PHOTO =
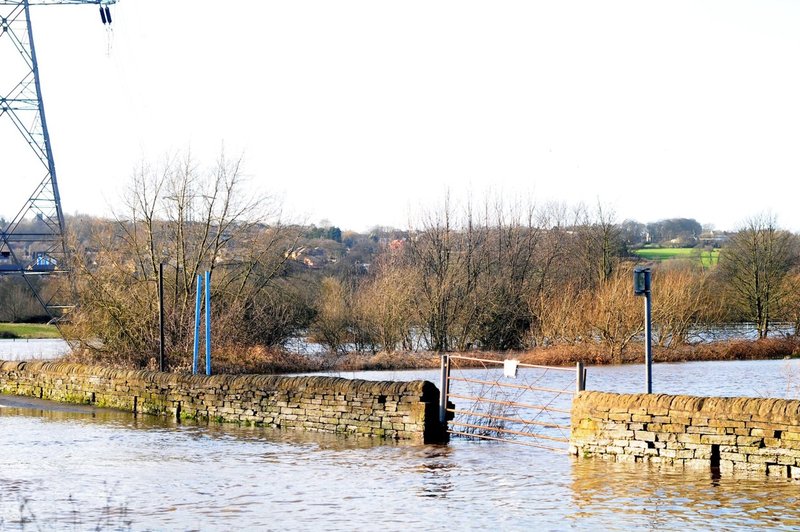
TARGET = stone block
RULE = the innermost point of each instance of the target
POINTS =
(703, 452)
(749, 467)
(697, 463)
(718, 439)
(775, 470)
(749, 441)
(645, 436)
(726, 465)
(705, 430)
(733, 457)
(620, 434)
(619, 416)
(762, 458)
(689, 438)
(762, 432)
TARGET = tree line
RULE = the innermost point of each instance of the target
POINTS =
(488, 276)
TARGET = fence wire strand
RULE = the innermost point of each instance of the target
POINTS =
(510, 412)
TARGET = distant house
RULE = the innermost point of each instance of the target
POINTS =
(714, 238)
(312, 257)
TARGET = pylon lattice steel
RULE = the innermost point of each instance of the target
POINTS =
(32, 244)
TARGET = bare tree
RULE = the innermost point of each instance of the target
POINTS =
(384, 304)
(18, 303)
(333, 322)
(595, 245)
(446, 255)
(615, 316)
(192, 221)
(510, 274)
(682, 299)
(754, 265)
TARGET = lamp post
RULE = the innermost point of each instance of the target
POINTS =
(161, 317)
(641, 287)
(162, 357)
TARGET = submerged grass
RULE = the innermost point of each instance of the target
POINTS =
(19, 514)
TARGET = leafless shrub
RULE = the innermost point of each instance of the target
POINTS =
(192, 221)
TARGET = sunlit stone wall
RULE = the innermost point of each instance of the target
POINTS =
(761, 436)
(392, 410)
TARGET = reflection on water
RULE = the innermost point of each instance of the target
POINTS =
(80, 468)
(659, 498)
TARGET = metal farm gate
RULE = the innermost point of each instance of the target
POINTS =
(504, 400)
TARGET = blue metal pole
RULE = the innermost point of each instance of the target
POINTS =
(198, 299)
(208, 323)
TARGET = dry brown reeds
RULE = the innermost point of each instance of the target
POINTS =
(262, 360)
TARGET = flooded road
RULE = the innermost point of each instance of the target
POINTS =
(78, 468)
(71, 470)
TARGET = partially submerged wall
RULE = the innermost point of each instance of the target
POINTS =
(731, 434)
(395, 410)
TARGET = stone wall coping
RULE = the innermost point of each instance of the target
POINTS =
(384, 409)
(755, 408)
(338, 385)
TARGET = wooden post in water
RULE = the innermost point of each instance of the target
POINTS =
(580, 381)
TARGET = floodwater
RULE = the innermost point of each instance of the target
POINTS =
(77, 468)
(33, 349)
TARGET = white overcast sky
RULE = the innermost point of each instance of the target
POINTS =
(361, 112)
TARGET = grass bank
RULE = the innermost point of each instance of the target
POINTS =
(28, 330)
(706, 258)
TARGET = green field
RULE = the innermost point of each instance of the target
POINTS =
(707, 258)
(28, 330)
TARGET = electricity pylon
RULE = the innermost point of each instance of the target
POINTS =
(32, 243)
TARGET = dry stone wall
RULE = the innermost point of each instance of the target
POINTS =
(728, 433)
(392, 410)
